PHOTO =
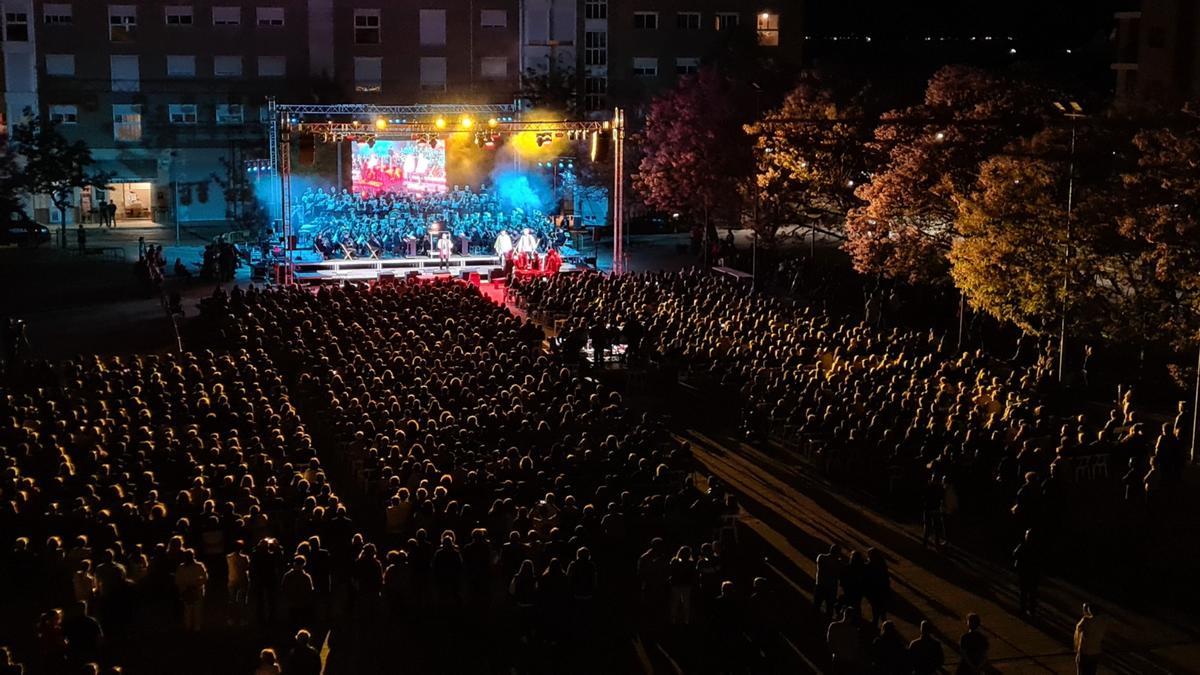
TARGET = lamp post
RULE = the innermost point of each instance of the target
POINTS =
(1074, 112)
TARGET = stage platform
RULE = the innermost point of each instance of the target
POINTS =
(309, 268)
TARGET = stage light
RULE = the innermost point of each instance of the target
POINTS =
(381, 124)
(466, 122)
(440, 122)
(493, 122)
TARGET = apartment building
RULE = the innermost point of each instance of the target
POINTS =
(1157, 52)
(625, 51)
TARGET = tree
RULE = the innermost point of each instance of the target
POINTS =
(810, 154)
(932, 154)
(696, 157)
(54, 166)
(550, 89)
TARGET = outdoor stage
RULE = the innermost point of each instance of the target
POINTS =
(310, 268)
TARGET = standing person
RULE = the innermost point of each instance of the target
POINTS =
(878, 585)
(190, 579)
(81, 237)
(304, 658)
(932, 519)
(237, 577)
(845, 645)
(112, 214)
(141, 247)
(682, 574)
(973, 648)
(445, 247)
(1028, 564)
(100, 210)
(1089, 641)
(503, 246)
(829, 570)
(925, 654)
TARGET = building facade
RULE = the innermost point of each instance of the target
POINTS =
(1157, 53)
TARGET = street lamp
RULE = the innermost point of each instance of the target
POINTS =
(1074, 112)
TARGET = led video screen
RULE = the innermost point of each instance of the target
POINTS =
(398, 166)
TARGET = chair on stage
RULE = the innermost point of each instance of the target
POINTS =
(347, 254)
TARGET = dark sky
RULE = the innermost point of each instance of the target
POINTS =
(1042, 20)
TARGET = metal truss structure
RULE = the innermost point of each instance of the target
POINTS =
(368, 123)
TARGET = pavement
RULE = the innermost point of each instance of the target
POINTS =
(799, 515)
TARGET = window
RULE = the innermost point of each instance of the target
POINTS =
(182, 113)
(272, 66)
(687, 65)
(229, 113)
(433, 73)
(270, 16)
(687, 21)
(57, 15)
(122, 22)
(493, 18)
(727, 20)
(366, 27)
(64, 114)
(181, 66)
(433, 27)
(227, 66)
(595, 89)
(595, 9)
(60, 65)
(595, 48)
(493, 67)
(645, 66)
(645, 20)
(127, 123)
(768, 30)
(125, 76)
(227, 16)
(179, 15)
(368, 74)
(16, 26)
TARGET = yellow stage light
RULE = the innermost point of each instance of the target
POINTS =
(466, 122)
(440, 122)
(493, 122)
(381, 124)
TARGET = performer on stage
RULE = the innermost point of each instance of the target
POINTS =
(527, 243)
(445, 246)
(503, 245)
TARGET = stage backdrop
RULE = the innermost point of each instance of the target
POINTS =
(398, 166)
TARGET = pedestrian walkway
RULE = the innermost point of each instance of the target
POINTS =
(799, 516)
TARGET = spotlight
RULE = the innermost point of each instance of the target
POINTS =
(381, 124)
(493, 122)
(440, 122)
(466, 122)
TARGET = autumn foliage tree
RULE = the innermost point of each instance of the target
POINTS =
(809, 155)
(931, 158)
(696, 158)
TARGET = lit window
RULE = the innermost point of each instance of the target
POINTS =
(64, 114)
(645, 20)
(57, 15)
(179, 65)
(493, 18)
(179, 15)
(16, 26)
(269, 16)
(433, 73)
(433, 27)
(122, 22)
(227, 66)
(227, 16)
(230, 113)
(727, 20)
(272, 66)
(366, 27)
(645, 66)
(182, 113)
(60, 65)
(595, 48)
(687, 21)
(127, 123)
(595, 9)
(687, 65)
(493, 67)
(768, 30)
(125, 72)
(368, 74)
